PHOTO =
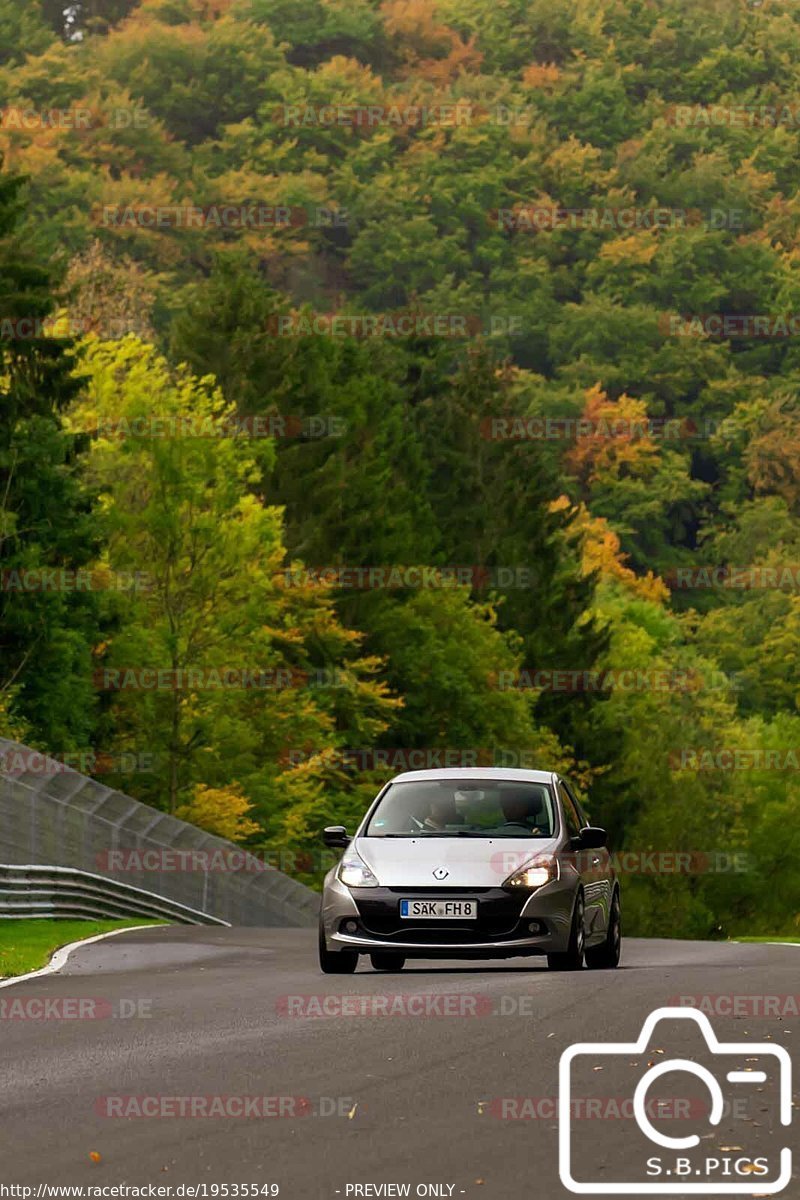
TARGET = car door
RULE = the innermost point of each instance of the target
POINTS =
(593, 866)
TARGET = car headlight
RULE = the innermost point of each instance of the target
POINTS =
(354, 872)
(534, 875)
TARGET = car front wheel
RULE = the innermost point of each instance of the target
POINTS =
(335, 962)
(606, 956)
(572, 958)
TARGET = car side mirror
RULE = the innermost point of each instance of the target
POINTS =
(336, 837)
(591, 837)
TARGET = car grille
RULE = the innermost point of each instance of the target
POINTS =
(498, 915)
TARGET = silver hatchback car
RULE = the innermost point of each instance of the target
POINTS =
(471, 863)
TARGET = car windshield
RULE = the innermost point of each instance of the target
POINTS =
(460, 808)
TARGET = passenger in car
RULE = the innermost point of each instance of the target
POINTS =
(442, 813)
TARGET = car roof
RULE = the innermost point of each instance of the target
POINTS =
(510, 773)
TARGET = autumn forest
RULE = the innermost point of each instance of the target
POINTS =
(395, 383)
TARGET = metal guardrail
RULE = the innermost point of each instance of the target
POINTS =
(50, 813)
(45, 891)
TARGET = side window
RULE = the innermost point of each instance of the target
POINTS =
(570, 812)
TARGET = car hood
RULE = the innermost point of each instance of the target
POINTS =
(469, 862)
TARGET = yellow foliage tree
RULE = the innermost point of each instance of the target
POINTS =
(616, 438)
(635, 249)
(773, 453)
(431, 50)
(221, 811)
(601, 554)
(541, 75)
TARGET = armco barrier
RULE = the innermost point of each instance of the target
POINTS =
(33, 891)
(62, 818)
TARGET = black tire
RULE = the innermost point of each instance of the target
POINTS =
(336, 962)
(606, 956)
(385, 960)
(572, 958)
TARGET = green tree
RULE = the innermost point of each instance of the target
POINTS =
(48, 530)
(24, 32)
(251, 665)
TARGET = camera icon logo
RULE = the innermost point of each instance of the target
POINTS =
(688, 1164)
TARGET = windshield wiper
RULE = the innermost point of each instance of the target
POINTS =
(489, 834)
(454, 833)
(430, 833)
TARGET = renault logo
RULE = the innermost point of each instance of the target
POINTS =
(440, 873)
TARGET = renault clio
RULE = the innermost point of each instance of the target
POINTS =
(471, 863)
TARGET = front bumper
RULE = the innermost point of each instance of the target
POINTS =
(510, 922)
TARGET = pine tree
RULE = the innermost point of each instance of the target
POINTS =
(48, 618)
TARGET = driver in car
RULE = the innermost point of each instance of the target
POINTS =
(516, 808)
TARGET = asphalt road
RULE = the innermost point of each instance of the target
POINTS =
(464, 1102)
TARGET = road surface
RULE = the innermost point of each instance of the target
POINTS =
(457, 1090)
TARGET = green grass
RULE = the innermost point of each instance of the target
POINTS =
(775, 938)
(27, 945)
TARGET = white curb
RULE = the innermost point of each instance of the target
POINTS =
(61, 955)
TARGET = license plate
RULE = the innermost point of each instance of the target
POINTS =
(439, 910)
